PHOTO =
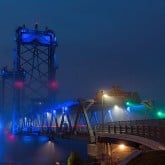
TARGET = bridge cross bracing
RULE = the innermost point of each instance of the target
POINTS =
(83, 117)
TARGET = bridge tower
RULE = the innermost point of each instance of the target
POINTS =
(35, 56)
(8, 77)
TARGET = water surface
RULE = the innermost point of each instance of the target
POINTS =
(36, 149)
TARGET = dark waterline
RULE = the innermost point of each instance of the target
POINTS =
(35, 149)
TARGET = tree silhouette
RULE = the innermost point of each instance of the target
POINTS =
(74, 159)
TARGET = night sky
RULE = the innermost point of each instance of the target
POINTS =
(101, 43)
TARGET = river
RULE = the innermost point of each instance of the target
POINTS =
(37, 150)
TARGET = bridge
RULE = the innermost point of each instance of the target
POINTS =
(82, 119)
(109, 117)
(150, 133)
(90, 119)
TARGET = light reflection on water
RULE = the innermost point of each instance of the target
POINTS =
(29, 150)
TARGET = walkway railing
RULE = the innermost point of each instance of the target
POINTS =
(152, 129)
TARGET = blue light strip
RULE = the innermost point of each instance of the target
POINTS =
(65, 104)
(45, 38)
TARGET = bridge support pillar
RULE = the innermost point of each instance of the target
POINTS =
(101, 152)
(90, 130)
(83, 108)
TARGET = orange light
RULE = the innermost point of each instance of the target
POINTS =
(122, 146)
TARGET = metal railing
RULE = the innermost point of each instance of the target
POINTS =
(152, 129)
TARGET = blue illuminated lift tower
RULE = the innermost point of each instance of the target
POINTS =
(35, 56)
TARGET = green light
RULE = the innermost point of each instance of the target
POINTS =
(161, 114)
(129, 103)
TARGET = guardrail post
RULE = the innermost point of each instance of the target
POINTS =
(162, 135)
(149, 132)
(120, 129)
(114, 129)
(143, 131)
(126, 129)
(137, 130)
(155, 132)
(131, 129)
(109, 129)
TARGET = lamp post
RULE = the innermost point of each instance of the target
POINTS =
(102, 104)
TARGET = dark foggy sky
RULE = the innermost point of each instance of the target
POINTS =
(101, 43)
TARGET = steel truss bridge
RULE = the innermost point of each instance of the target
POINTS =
(83, 118)
(32, 81)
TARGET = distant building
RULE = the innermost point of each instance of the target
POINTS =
(116, 94)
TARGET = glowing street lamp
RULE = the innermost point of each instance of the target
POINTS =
(104, 95)
(102, 98)
(122, 146)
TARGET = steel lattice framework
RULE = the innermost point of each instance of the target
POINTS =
(35, 56)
